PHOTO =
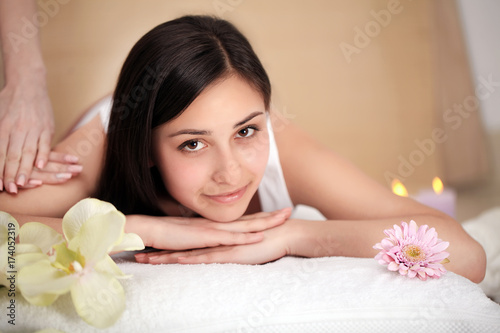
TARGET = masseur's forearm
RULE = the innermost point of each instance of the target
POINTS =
(20, 45)
(356, 239)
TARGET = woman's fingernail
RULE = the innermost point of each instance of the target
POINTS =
(12, 188)
(63, 175)
(75, 168)
(153, 257)
(140, 256)
(71, 158)
(35, 182)
(40, 164)
(21, 180)
(1, 185)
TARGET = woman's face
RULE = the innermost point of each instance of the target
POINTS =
(213, 156)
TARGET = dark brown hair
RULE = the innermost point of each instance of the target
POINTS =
(163, 74)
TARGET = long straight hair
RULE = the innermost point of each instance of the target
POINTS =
(163, 74)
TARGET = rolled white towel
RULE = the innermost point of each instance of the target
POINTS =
(486, 230)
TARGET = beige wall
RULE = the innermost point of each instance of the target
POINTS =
(370, 108)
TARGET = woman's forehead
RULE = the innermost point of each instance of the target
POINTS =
(227, 101)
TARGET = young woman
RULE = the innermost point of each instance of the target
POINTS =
(191, 157)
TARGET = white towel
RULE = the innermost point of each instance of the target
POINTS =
(288, 295)
(486, 230)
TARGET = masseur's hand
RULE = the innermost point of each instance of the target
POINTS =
(272, 245)
(177, 233)
(59, 169)
(26, 129)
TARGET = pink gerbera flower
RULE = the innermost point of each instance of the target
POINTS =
(413, 252)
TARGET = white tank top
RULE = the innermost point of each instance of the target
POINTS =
(273, 193)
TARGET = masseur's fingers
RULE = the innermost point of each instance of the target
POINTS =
(63, 158)
(43, 149)
(4, 141)
(12, 160)
(27, 159)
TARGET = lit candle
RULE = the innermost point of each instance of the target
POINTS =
(440, 198)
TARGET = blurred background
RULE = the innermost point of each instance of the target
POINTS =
(404, 89)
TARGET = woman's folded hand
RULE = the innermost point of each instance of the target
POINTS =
(199, 238)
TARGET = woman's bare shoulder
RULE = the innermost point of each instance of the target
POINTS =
(317, 176)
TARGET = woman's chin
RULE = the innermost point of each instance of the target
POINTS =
(223, 215)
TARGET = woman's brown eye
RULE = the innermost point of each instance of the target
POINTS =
(246, 132)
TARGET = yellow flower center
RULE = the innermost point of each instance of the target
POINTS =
(413, 253)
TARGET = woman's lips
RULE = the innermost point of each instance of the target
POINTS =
(229, 197)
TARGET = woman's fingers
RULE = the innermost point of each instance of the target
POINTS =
(256, 222)
(208, 255)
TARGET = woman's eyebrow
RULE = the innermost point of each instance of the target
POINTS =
(247, 119)
(205, 132)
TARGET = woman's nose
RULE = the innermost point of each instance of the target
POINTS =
(228, 170)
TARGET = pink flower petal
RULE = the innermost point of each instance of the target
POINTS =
(421, 231)
(393, 266)
(398, 232)
(422, 276)
(386, 244)
(405, 229)
(412, 231)
(429, 235)
(412, 251)
(438, 257)
(440, 247)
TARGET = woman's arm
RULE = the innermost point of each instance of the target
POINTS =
(358, 209)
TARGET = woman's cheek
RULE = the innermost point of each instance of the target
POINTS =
(257, 154)
(185, 177)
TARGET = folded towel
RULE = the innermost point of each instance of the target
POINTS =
(288, 295)
(486, 230)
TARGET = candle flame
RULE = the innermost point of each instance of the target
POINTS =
(398, 188)
(437, 185)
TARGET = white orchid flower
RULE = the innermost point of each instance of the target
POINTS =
(82, 266)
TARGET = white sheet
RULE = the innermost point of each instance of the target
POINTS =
(334, 294)
(289, 295)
